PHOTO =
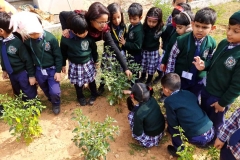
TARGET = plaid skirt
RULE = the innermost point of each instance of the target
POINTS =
(81, 73)
(150, 61)
(144, 140)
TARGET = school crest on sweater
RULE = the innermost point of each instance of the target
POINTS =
(47, 46)
(12, 50)
(131, 35)
(230, 62)
(84, 45)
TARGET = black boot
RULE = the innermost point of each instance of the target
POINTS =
(142, 79)
(94, 93)
(149, 80)
(158, 78)
(80, 96)
(101, 88)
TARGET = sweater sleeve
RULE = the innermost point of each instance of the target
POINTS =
(138, 125)
(63, 18)
(94, 51)
(64, 49)
(109, 41)
(57, 55)
(27, 59)
(171, 116)
(137, 44)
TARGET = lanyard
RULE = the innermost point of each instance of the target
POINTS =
(119, 44)
(39, 61)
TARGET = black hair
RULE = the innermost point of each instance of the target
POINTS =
(77, 23)
(135, 9)
(114, 8)
(157, 13)
(206, 15)
(182, 19)
(233, 22)
(5, 21)
(185, 6)
(171, 81)
(95, 11)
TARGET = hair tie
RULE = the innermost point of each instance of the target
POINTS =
(152, 17)
(179, 8)
(188, 17)
(150, 88)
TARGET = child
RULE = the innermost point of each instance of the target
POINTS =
(153, 27)
(117, 29)
(229, 138)
(223, 83)
(189, 45)
(81, 51)
(133, 42)
(183, 25)
(168, 32)
(145, 117)
(184, 113)
(46, 56)
(16, 61)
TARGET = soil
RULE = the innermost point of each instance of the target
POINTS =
(55, 142)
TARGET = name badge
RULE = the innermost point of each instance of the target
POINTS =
(187, 75)
(44, 72)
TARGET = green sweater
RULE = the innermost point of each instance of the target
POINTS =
(78, 50)
(182, 109)
(149, 119)
(187, 47)
(151, 39)
(134, 39)
(223, 78)
(47, 51)
(170, 44)
(19, 57)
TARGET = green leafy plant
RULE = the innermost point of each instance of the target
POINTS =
(92, 137)
(213, 154)
(22, 117)
(115, 79)
(185, 151)
(165, 6)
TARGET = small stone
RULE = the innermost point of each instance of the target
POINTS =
(171, 157)
(116, 156)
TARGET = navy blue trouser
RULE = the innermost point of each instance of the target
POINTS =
(20, 81)
(217, 118)
(50, 87)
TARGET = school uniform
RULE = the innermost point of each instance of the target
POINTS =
(188, 114)
(47, 58)
(223, 83)
(183, 51)
(150, 50)
(147, 123)
(116, 33)
(19, 66)
(134, 40)
(229, 133)
(82, 55)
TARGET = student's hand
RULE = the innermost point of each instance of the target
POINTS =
(65, 33)
(96, 65)
(122, 40)
(218, 143)
(57, 77)
(32, 80)
(129, 74)
(163, 67)
(217, 107)
(199, 64)
(64, 69)
(126, 92)
(5, 75)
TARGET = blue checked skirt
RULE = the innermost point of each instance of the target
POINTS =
(150, 61)
(81, 73)
(144, 140)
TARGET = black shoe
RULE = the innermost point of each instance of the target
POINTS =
(91, 100)
(82, 101)
(101, 89)
(157, 79)
(172, 151)
(56, 109)
(1, 110)
(142, 80)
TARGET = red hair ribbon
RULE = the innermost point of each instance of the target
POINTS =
(131, 95)
(150, 88)
(179, 8)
